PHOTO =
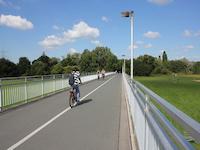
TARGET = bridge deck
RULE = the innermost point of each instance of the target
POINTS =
(94, 124)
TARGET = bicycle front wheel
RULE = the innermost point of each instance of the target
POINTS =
(71, 99)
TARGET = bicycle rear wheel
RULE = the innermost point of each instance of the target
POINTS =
(71, 99)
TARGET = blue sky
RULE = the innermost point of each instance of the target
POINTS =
(29, 27)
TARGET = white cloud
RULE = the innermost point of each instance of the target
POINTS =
(15, 22)
(104, 18)
(80, 30)
(197, 34)
(187, 33)
(149, 45)
(8, 4)
(52, 41)
(139, 42)
(152, 35)
(96, 42)
(141, 45)
(160, 2)
(55, 27)
(135, 46)
(189, 47)
(72, 51)
(190, 33)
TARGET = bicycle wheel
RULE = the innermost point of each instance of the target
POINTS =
(71, 99)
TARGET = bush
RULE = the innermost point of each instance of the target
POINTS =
(196, 68)
(177, 66)
(142, 69)
(161, 70)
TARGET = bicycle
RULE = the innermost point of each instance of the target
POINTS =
(103, 75)
(72, 97)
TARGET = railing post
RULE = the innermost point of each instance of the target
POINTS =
(54, 85)
(62, 81)
(42, 78)
(25, 89)
(1, 96)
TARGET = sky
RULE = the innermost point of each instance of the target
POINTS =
(30, 27)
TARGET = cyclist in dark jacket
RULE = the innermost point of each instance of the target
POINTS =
(77, 81)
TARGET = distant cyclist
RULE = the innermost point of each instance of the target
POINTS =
(98, 74)
(103, 73)
(74, 81)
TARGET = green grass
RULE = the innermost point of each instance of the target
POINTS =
(181, 91)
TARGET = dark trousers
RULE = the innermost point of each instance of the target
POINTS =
(76, 87)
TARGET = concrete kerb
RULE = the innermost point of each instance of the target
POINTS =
(133, 138)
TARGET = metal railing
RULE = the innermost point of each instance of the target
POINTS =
(153, 130)
(15, 91)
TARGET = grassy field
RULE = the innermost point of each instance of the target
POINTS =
(183, 91)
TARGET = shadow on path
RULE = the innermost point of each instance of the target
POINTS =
(84, 102)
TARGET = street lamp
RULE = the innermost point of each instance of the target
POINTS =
(124, 66)
(130, 14)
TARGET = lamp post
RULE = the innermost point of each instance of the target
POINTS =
(130, 14)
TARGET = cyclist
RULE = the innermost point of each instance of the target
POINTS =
(103, 73)
(75, 84)
(98, 74)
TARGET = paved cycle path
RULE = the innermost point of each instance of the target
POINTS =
(92, 125)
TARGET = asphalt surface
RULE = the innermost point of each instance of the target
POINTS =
(92, 125)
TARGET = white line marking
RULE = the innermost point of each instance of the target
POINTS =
(51, 120)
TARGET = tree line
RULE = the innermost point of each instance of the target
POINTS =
(147, 65)
(89, 61)
(96, 59)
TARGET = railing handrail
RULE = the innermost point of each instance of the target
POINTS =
(35, 76)
(38, 77)
(189, 124)
(168, 126)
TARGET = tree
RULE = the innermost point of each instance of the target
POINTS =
(105, 58)
(45, 62)
(112, 64)
(8, 68)
(57, 69)
(71, 60)
(100, 53)
(196, 68)
(141, 68)
(86, 62)
(69, 69)
(164, 57)
(177, 66)
(24, 66)
(161, 69)
(43, 58)
(39, 68)
(149, 63)
(53, 61)
(188, 64)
